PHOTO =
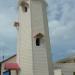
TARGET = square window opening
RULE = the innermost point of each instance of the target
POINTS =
(25, 9)
(37, 41)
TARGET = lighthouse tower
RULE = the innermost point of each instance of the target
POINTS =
(33, 46)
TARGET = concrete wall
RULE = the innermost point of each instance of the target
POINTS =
(57, 72)
(33, 60)
(66, 69)
(24, 48)
(42, 64)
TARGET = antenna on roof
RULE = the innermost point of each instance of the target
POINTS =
(3, 57)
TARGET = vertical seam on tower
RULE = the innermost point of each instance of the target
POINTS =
(31, 36)
(46, 44)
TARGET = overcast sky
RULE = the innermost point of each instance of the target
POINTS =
(61, 18)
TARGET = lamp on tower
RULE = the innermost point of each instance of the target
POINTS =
(16, 24)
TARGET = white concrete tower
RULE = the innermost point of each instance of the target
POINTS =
(33, 48)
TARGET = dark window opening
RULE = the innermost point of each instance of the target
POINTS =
(25, 9)
(37, 41)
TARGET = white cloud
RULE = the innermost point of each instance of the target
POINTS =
(61, 14)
